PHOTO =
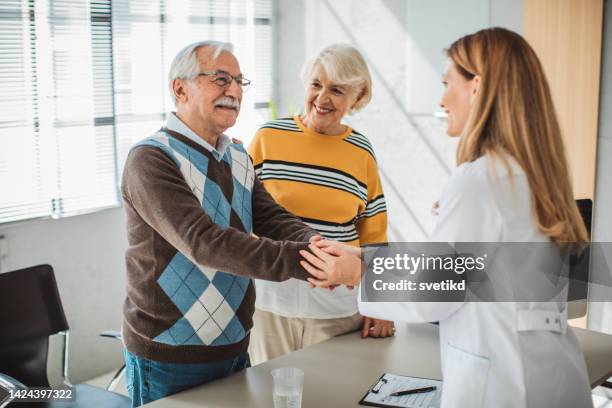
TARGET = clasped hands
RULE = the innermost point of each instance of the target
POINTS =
(332, 263)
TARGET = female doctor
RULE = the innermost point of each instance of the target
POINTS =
(511, 185)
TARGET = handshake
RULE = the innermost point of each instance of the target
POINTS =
(332, 263)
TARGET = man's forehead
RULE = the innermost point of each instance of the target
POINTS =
(225, 61)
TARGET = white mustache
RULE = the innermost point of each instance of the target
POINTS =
(228, 102)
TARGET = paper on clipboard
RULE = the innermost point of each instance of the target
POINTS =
(378, 396)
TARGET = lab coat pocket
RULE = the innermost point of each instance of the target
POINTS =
(465, 378)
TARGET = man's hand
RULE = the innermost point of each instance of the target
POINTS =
(377, 328)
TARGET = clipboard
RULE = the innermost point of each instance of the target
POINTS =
(378, 394)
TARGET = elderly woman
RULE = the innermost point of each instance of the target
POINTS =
(324, 172)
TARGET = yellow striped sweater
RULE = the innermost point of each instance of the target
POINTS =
(330, 182)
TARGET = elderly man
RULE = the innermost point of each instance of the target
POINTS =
(192, 201)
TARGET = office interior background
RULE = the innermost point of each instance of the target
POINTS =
(82, 80)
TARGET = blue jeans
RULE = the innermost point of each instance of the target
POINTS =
(149, 380)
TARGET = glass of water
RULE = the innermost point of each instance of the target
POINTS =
(288, 384)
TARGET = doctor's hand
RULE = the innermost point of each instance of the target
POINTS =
(332, 263)
(377, 328)
(330, 246)
(333, 246)
(313, 239)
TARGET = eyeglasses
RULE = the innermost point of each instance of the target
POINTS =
(224, 79)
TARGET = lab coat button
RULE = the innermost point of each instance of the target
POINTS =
(547, 320)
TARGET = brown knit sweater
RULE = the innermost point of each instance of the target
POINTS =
(191, 253)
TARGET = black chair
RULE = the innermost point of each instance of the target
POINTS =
(580, 265)
(31, 311)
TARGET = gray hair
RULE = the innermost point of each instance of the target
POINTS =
(185, 64)
(344, 65)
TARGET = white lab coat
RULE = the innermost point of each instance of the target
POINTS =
(496, 354)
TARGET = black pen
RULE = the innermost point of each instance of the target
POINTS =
(414, 391)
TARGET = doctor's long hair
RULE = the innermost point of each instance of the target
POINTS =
(513, 113)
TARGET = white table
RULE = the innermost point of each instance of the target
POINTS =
(339, 371)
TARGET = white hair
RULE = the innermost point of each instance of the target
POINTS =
(343, 65)
(185, 64)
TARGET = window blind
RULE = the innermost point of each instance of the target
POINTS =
(23, 193)
(148, 34)
(83, 80)
(58, 153)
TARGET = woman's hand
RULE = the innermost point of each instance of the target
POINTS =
(335, 246)
(332, 264)
(377, 328)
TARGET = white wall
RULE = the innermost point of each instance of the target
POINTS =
(600, 314)
(87, 254)
(403, 43)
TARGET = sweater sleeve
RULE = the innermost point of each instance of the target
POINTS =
(273, 221)
(256, 148)
(154, 186)
(372, 221)
(270, 219)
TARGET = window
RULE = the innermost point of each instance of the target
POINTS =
(83, 80)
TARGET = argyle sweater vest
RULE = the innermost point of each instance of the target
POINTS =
(208, 299)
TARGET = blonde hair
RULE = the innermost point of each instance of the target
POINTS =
(513, 114)
(344, 65)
